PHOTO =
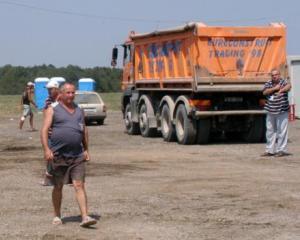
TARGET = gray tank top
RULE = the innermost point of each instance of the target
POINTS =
(67, 131)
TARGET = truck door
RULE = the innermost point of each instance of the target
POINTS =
(127, 65)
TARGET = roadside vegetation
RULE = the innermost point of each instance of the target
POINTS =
(10, 104)
(13, 79)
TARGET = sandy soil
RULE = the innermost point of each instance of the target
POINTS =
(144, 188)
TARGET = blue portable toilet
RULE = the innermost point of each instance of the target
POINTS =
(60, 80)
(86, 84)
(40, 91)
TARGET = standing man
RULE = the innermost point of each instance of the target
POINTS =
(277, 107)
(53, 96)
(68, 151)
(26, 100)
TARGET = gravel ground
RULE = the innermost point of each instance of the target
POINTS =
(144, 188)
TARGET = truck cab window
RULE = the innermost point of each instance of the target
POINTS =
(127, 54)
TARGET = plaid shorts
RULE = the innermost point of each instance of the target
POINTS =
(66, 169)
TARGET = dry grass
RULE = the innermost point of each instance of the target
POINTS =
(112, 100)
(10, 104)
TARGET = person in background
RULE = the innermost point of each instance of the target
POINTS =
(67, 151)
(53, 97)
(277, 107)
(26, 102)
(53, 93)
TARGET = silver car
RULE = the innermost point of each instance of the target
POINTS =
(93, 106)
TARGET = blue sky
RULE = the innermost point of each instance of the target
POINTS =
(77, 32)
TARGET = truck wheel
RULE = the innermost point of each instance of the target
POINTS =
(167, 128)
(263, 138)
(203, 130)
(233, 136)
(146, 131)
(100, 121)
(255, 129)
(132, 128)
(185, 127)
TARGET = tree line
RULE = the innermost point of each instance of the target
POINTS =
(13, 79)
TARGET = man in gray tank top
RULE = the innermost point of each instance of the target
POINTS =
(67, 151)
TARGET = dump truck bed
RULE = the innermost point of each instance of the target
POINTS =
(205, 58)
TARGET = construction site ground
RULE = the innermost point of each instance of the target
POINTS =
(145, 188)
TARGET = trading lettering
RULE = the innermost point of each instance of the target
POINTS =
(226, 53)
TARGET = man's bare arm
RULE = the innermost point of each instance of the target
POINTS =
(269, 91)
(85, 142)
(47, 122)
(31, 99)
(286, 88)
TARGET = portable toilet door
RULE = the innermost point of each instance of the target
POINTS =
(40, 91)
(60, 80)
(86, 84)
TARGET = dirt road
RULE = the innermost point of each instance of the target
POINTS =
(144, 188)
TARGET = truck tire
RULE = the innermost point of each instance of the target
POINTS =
(132, 128)
(185, 127)
(203, 130)
(255, 129)
(100, 121)
(233, 136)
(263, 138)
(146, 131)
(167, 127)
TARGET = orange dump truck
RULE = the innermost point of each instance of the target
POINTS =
(194, 82)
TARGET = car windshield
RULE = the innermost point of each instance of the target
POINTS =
(86, 98)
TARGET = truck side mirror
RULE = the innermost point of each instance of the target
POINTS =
(114, 57)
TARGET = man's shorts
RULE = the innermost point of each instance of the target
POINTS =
(26, 110)
(67, 169)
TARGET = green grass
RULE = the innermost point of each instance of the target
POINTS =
(112, 100)
(10, 104)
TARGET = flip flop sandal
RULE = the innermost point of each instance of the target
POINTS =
(57, 221)
(88, 221)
